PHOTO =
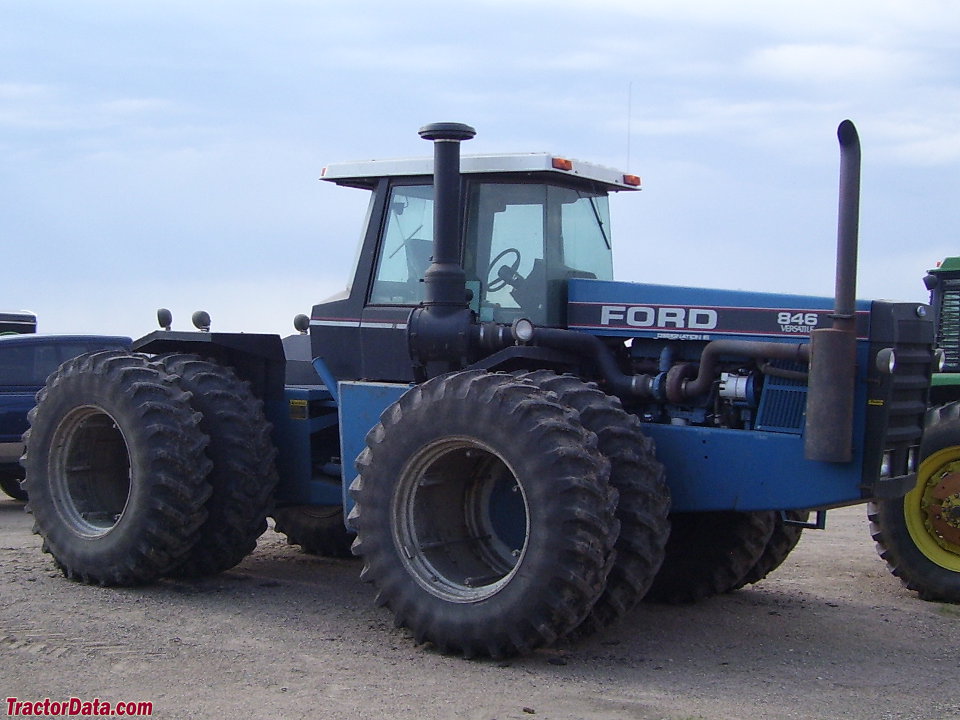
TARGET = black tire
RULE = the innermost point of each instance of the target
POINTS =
(708, 553)
(242, 477)
(783, 540)
(919, 535)
(644, 497)
(484, 514)
(10, 483)
(115, 469)
(317, 529)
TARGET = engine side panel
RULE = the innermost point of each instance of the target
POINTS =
(720, 469)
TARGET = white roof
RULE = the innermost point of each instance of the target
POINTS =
(365, 173)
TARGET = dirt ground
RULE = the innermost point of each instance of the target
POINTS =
(285, 635)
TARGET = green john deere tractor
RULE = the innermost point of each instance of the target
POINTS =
(919, 534)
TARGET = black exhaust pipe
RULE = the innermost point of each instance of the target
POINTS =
(830, 392)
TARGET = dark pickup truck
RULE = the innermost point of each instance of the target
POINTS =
(25, 363)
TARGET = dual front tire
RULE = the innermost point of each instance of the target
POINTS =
(485, 513)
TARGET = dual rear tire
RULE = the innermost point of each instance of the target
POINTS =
(140, 468)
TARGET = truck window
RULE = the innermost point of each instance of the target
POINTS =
(28, 364)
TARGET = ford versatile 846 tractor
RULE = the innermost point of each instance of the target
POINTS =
(521, 448)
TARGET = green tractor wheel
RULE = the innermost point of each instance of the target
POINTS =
(919, 534)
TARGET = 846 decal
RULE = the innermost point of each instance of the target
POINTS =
(797, 322)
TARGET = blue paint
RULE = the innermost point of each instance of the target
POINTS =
(320, 365)
(720, 469)
(361, 404)
(301, 483)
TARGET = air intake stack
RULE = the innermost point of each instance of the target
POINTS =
(444, 279)
(439, 329)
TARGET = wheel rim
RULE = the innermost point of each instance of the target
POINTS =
(91, 471)
(932, 508)
(460, 520)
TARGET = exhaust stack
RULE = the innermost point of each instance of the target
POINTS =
(830, 394)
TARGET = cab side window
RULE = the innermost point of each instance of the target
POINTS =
(406, 247)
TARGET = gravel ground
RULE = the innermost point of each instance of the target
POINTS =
(831, 634)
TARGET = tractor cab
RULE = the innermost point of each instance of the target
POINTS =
(528, 223)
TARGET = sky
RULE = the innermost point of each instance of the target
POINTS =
(168, 154)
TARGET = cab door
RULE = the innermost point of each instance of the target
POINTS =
(397, 287)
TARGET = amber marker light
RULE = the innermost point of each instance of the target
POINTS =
(562, 164)
(632, 180)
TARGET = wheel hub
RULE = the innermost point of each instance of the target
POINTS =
(943, 507)
(460, 519)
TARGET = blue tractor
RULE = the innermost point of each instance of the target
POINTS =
(518, 447)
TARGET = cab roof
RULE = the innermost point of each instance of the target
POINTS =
(365, 174)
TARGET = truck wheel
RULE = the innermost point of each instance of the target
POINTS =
(783, 540)
(484, 514)
(317, 529)
(243, 475)
(644, 497)
(115, 469)
(10, 484)
(708, 553)
(919, 535)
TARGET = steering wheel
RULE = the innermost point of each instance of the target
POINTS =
(494, 280)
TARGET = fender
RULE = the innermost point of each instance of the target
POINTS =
(258, 359)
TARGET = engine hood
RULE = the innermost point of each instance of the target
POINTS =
(603, 307)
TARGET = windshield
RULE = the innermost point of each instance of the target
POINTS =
(525, 240)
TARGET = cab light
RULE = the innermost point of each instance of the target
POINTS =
(522, 330)
(562, 164)
(633, 180)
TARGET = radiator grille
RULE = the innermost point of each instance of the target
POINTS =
(948, 330)
(782, 404)
(908, 397)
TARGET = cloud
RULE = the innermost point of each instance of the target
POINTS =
(61, 107)
(914, 135)
(824, 64)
